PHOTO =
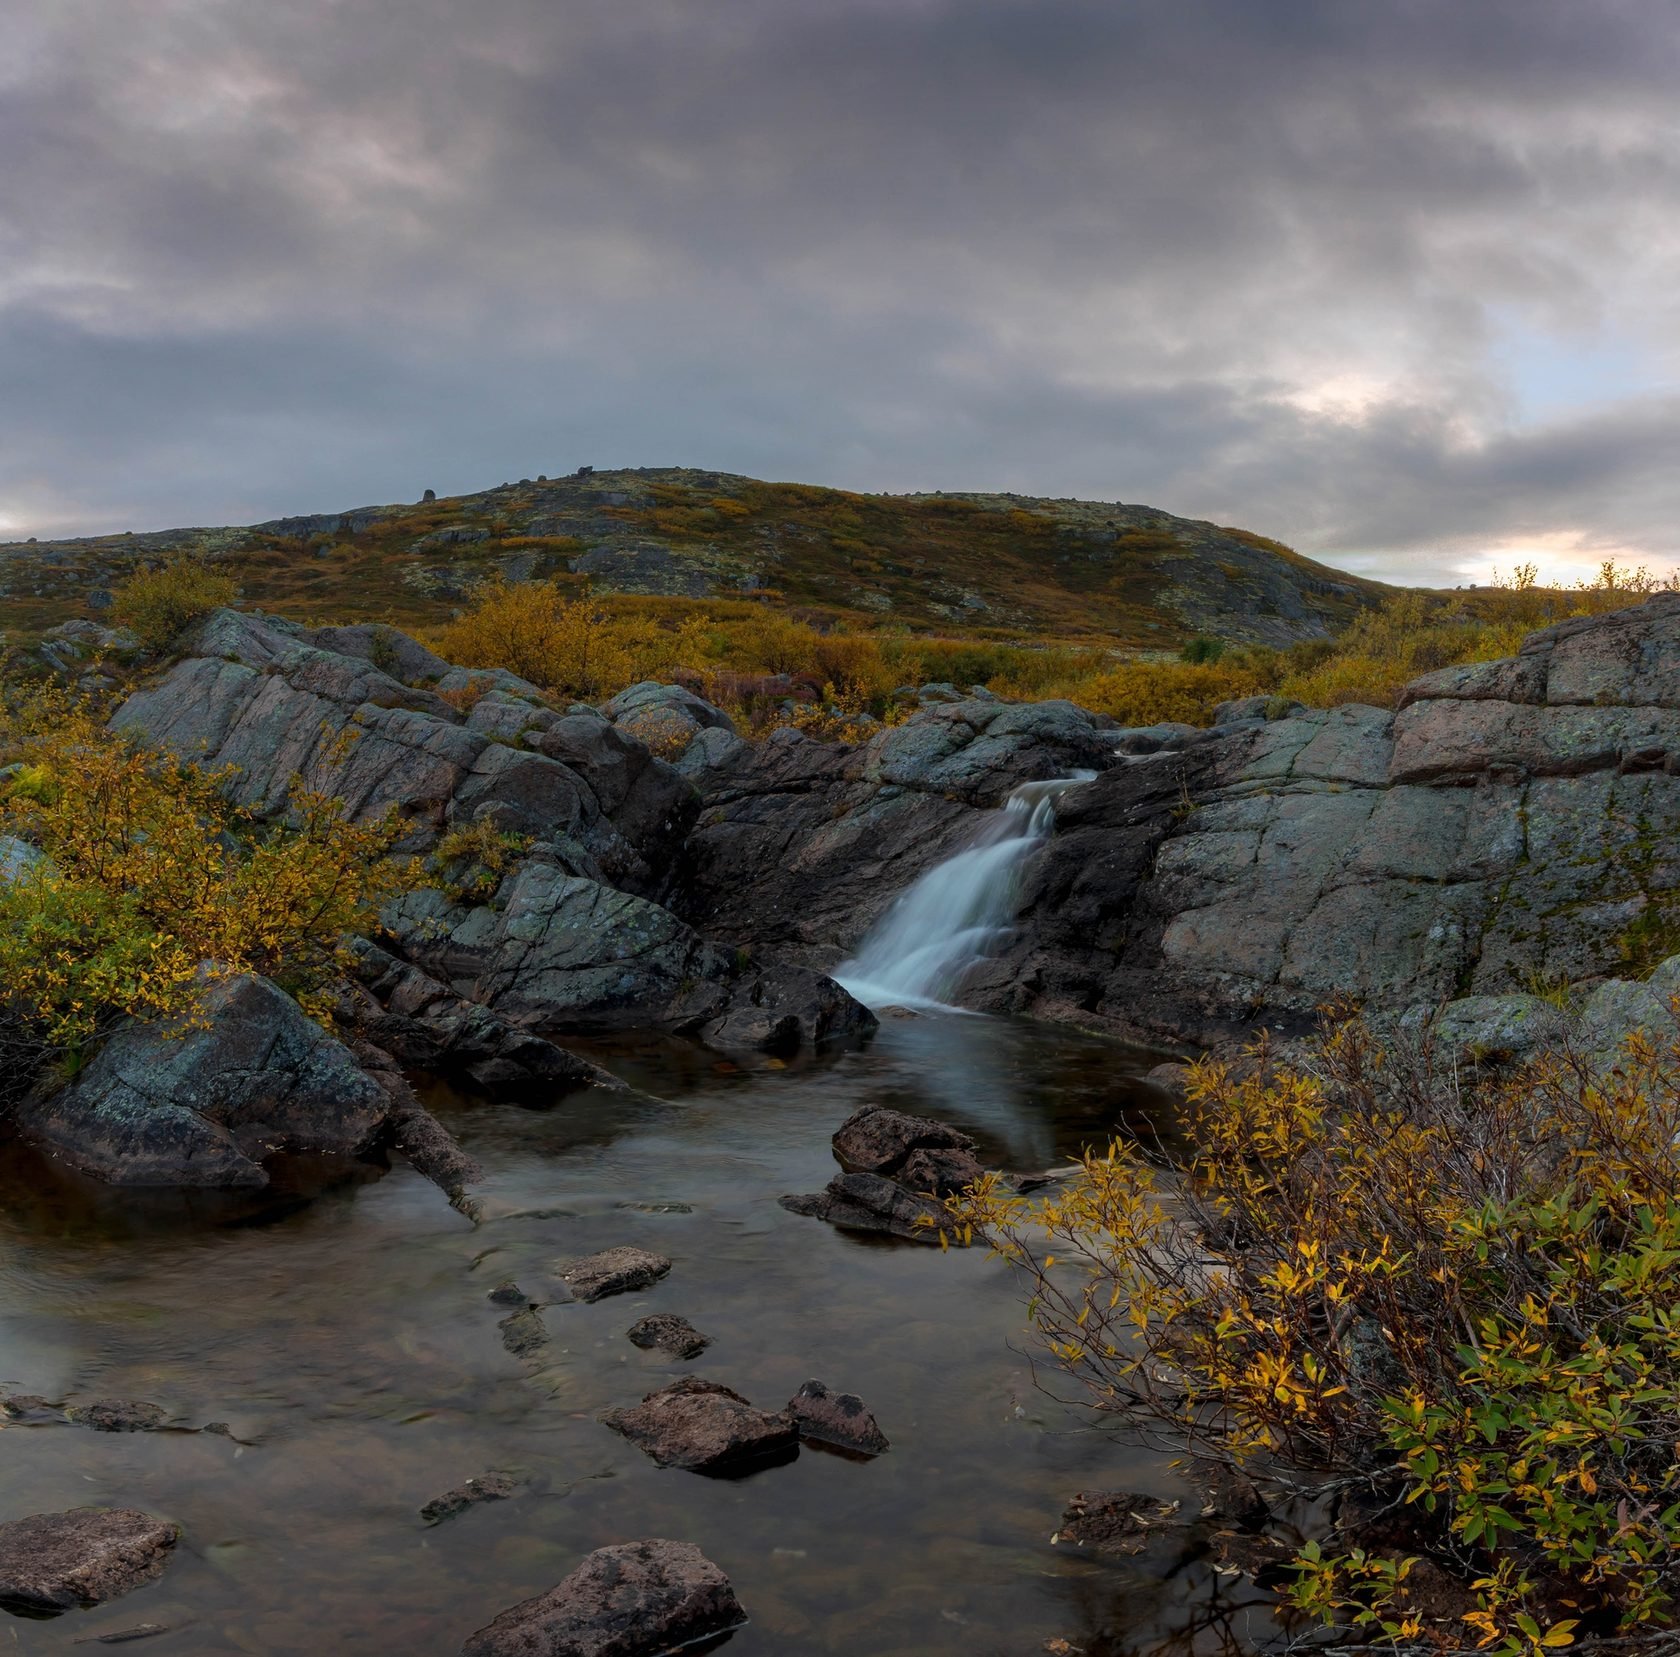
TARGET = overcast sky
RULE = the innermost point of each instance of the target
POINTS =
(1396, 282)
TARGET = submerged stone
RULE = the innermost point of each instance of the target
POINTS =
(613, 1271)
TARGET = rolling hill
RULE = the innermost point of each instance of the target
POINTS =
(995, 564)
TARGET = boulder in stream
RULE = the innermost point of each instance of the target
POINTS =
(54, 1561)
(668, 1333)
(638, 1599)
(613, 1271)
(877, 1140)
(869, 1202)
(705, 1427)
(838, 1418)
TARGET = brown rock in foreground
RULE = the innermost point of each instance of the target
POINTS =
(638, 1599)
(53, 1561)
(705, 1427)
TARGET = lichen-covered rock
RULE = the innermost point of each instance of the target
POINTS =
(208, 1107)
(1505, 1027)
(638, 1599)
(837, 1418)
(704, 1427)
(55, 1561)
(613, 1271)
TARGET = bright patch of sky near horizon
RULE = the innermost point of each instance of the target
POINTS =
(1396, 284)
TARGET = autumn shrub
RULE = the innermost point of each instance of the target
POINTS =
(1436, 1309)
(160, 602)
(148, 873)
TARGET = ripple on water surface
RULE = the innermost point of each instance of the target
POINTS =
(348, 1342)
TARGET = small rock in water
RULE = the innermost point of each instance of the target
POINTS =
(118, 1415)
(659, 1207)
(487, 1487)
(705, 1427)
(614, 1271)
(30, 1407)
(1115, 1521)
(665, 1332)
(523, 1333)
(639, 1599)
(53, 1561)
(876, 1140)
(122, 1636)
(867, 1202)
(838, 1418)
(508, 1293)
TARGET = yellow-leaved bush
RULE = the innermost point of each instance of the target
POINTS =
(1444, 1306)
(147, 873)
(159, 602)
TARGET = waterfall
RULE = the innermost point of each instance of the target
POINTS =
(959, 912)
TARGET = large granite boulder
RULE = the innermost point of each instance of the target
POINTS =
(638, 1599)
(253, 1079)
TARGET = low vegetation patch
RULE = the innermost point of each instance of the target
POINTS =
(147, 878)
(1432, 1312)
(158, 604)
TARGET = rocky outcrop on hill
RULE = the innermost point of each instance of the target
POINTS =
(572, 939)
(1512, 820)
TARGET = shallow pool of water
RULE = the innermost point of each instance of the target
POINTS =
(348, 1342)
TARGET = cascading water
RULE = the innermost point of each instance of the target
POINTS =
(959, 912)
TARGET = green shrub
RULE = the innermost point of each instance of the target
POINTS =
(161, 602)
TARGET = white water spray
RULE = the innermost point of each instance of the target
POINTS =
(959, 912)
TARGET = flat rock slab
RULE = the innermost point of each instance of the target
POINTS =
(705, 1427)
(870, 1202)
(118, 1415)
(876, 1140)
(487, 1487)
(614, 1271)
(54, 1561)
(665, 1332)
(639, 1599)
(838, 1418)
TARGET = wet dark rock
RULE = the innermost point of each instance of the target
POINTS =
(1118, 1522)
(208, 1107)
(53, 1561)
(508, 1293)
(658, 1207)
(942, 1172)
(876, 1140)
(524, 1333)
(1173, 1079)
(638, 1599)
(410, 1128)
(613, 1271)
(705, 1427)
(839, 1418)
(1230, 1497)
(31, 1409)
(869, 1202)
(118, 1415)
(125, 1636)
(665, 1332)
(487, 1487)
(1267, 1561)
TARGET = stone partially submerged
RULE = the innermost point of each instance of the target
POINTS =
(613, 1271)
(638, 1599)
(56, 1561)
(705, 1427)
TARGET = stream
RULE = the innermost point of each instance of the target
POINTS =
(348, 1342)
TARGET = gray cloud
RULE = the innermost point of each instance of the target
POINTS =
(1396, 283)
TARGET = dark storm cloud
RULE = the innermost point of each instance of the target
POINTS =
(1396, 282)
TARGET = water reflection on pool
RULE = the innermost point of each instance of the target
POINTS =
(348, 1341)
